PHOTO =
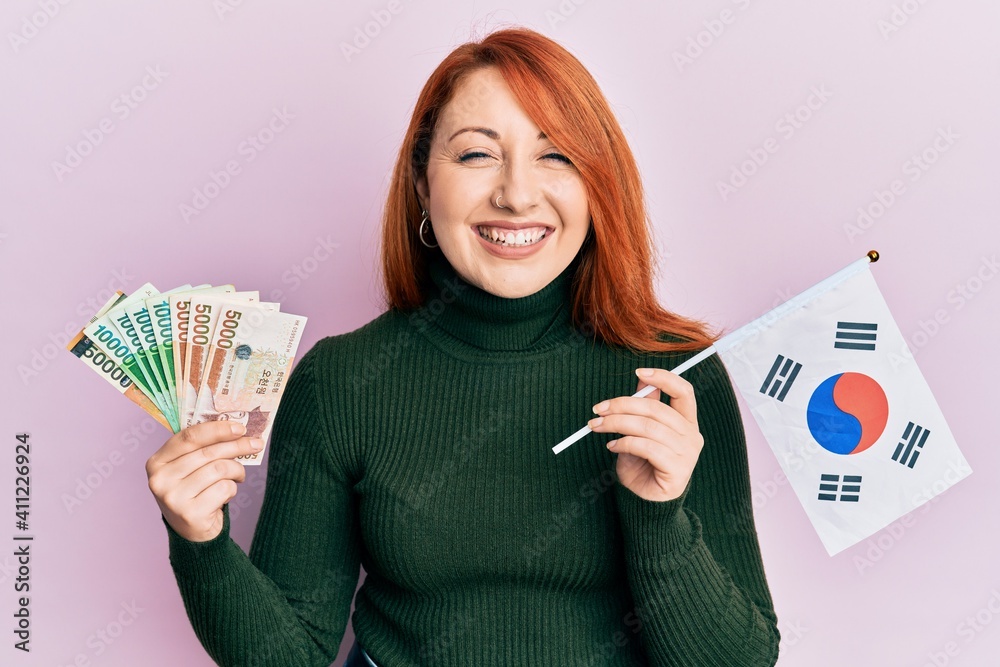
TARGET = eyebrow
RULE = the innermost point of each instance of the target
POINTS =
(492, 134)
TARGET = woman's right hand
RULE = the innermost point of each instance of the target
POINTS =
(195, 473)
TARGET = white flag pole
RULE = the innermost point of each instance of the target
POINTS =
(645, 391)
(734, 338)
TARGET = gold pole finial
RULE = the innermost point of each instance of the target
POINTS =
(873, 255)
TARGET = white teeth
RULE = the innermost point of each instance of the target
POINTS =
(511, 238)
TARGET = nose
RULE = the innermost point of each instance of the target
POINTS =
(520, 186)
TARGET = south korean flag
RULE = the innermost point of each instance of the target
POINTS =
(833, 386)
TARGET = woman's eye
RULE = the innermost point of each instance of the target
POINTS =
(473, 154)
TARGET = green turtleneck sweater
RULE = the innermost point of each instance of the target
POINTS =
(419, 446)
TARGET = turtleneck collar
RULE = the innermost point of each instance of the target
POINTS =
(478, 321)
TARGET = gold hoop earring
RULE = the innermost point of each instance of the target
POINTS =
(420, 232)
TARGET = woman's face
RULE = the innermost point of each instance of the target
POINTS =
(484, 146)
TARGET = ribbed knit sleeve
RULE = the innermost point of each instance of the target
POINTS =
(287, 603)
(693, 563)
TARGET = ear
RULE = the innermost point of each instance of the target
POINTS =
(423, 191)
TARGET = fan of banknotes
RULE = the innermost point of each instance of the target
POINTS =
(195, 354)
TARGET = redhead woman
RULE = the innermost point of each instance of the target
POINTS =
(518, 264)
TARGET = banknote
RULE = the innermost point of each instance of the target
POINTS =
(83, 348)
(251, 356)
(194, 354)
(120, 323)
(108, 337)
(179, 305)
(204, 313)
(134, 320)
(158, 308)
(120, 326)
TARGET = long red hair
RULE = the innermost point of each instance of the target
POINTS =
(613, 296)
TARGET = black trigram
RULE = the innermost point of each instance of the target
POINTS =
(849, 490)
(910, 444)
(855, 336)
(780, 378)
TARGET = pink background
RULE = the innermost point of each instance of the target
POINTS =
(892, 76)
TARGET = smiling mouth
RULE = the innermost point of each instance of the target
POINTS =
(509, 238)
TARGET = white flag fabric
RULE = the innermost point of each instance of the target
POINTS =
(832, 385)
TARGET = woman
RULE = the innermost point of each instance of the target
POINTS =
(518, 269)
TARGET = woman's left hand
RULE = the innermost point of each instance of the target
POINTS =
(660, 443)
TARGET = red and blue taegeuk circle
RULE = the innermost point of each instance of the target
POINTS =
(847, 413)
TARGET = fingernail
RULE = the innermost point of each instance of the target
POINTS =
(256, 444)
(612, 443)
(644, 372)
(595, 422)
(601, 407)
(237, 428)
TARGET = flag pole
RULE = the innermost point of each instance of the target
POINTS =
(740, 334)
